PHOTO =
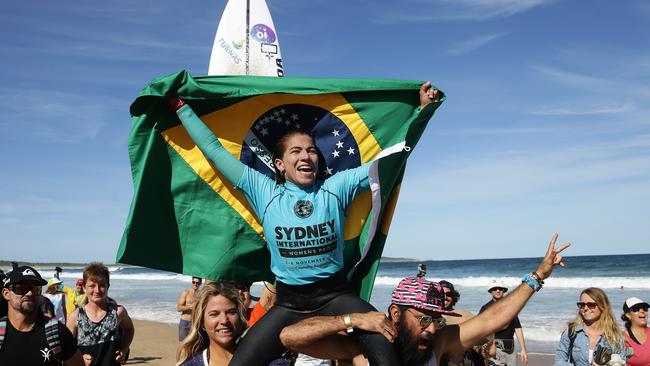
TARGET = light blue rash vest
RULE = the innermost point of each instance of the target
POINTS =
(303, 226)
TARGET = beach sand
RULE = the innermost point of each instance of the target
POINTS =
(156, 344)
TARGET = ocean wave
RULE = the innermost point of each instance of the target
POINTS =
(632, 282)
(167, 317)
(544, 333)
(71, 275)
(117, 274)
(151, 277)
(553, 282)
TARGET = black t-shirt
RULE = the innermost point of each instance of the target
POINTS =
(31, 348)
(509, 331)
(3, 307)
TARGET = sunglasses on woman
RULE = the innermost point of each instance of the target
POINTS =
(590, 305)
(426, 320)
(22, 290)
(636, 308)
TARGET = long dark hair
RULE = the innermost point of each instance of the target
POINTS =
(626, 321)
(281, 146)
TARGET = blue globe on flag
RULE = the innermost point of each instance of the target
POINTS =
(337, 147)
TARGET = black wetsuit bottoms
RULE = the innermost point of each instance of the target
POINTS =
(331, 296)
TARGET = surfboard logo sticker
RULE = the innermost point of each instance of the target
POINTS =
(263, 33)
(231, 51)
(303, 208)
(238, 45)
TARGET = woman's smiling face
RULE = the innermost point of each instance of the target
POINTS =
(638, 318)
(299, 161)
(221, 321)
(589, 315)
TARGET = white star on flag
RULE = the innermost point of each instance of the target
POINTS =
(328, 170)
(351, 151)
(294, 117)
(339, 145)
(335, 153)
(335, 132)
(264, 131)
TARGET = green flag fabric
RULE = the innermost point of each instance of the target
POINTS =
(186, 218)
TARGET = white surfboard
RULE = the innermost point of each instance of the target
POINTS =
(246, 42)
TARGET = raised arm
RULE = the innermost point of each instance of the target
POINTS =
(325, 336)
(428, 94)
(209, 144)
(456, 339)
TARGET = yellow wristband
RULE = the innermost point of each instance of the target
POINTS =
(348, 323)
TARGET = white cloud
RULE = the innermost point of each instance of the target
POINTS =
(473, 44)
(572, 79)
(506, 177)
(53, 116)
(577, 111)
(7, 208)
(454, 10)
(24, 207)
(496, 131)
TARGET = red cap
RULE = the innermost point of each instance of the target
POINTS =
(80, 282)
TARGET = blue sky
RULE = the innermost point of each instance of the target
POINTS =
(546, 127)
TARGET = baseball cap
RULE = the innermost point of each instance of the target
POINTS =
(631, 302)
(420, 293)
(447, 284)
(80, 282)
(53, 281)
(497, 284)
(24, 274)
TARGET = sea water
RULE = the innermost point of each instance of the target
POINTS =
(152, 295)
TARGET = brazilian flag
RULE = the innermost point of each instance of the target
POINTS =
(186, 218)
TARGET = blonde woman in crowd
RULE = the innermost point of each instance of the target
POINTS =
(217, 323)
(593, 337)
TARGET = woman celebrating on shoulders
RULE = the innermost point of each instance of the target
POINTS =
(635, 316)
(593, 337)
(218, 321)
(298, 205)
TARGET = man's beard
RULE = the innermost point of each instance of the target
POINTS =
(407, 347)
(26, 308)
